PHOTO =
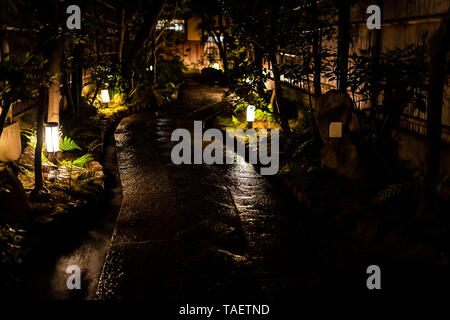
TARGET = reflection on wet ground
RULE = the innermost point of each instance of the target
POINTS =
(232, 233)
(208, 232)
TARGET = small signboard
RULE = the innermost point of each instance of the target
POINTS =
(335, 130)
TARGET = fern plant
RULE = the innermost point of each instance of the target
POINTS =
(30, 135)
(67, 144)
(74, 165)
(235, 121)
(392, 192)
(83, 160)
(94, 145)
(86, 176)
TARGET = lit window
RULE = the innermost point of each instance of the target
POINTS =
(175, 25)
(211, 39)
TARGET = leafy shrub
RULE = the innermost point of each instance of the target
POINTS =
(211, 74)
(75, 166)
(30, 136)
(79, 162)
(170, 70)
(10, 245)
(67, 144)
(12, 254)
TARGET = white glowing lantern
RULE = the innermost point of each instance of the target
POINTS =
(105, 96)
(216, 66)
(151, 68)
(250, 113)
(52, 137)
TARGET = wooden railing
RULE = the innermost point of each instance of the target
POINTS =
(419, 126)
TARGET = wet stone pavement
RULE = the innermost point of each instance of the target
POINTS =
(209, 232)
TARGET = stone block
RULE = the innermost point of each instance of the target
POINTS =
(10, 144)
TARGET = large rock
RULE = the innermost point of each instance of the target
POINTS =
(10, 144)
(27, 158)
(338, 153)
(94, 166)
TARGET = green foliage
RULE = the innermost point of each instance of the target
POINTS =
(11, 249)
(79, 162)
(245, 78)
(302, 148)
(392, 192)
(67, 144)
(170, 72)
(83, 160)
(264, 115)
(396, 74)
(12, 254)
(235, 121)
(442, 183)
(400, 185)
(30, 135)
(21, 78)
(75, 165)
(86, 176)
(307, 178)
(92, 146)
(300, 144)
(264, 111)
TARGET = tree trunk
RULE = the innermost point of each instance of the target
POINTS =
(54, 91)
(343, 44)
(122, 34)
(311, 110)
(279, 93)
(439, 48)
(153, 58)
(223, 44)
(38, 181)
(7, 106)
(317, 48)
(4, 114)
(151, 17)
(376, 61)
(97, 88)
(67, 93)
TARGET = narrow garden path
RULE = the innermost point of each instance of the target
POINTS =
(199, 231)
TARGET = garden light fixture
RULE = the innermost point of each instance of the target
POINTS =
(105, 96)
(250, 113)
(52, 136)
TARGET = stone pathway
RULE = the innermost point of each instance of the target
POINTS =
(197, 231)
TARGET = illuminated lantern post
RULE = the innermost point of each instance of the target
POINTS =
(251, 114)
(52, 137)
(105, 96)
